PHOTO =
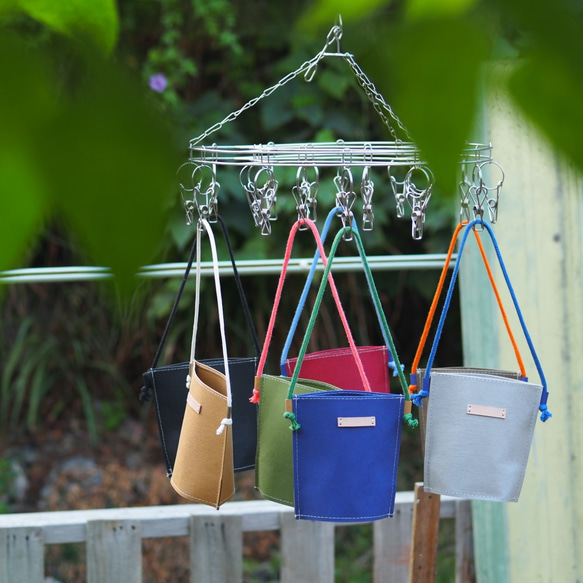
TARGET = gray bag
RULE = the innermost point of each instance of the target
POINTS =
(480, 423)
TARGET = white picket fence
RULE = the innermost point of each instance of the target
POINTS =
(113, 541)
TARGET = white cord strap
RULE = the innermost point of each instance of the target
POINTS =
(203, 223)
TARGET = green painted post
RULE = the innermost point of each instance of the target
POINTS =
(540, 232)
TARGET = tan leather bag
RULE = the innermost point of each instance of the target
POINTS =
(203, 470)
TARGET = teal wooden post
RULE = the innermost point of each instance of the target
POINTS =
(540, 232)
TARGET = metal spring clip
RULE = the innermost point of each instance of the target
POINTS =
(262, 199)
(366, 191)
(305, 193)
(418, 198)
(202, 193)
(345, 198)
(477, 193)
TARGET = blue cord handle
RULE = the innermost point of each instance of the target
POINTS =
(300, 307)
(545, 413)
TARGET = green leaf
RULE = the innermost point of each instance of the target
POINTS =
(96, 20)
(25, 103)
(327, 12)
(432, 81)
(24, 204)
(420, 9)
(550, 92)
(111, 166)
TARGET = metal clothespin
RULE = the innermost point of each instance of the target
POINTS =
(205, 194)
(345, 198)
(398, 188)
(200, 192)
(304, 193)
(487, 196)
(418, 197)
(465, 185)
(251, 192)
(366, 191)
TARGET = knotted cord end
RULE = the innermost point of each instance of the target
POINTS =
(545, 413)
(292, 417)
(255, 397)
(224, 423)
(393, 367)
(145, 394)
(417, 398)
(408, 419)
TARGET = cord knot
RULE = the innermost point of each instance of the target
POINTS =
(145, 394)
(545, 413)
(393, 367)
(292, 417)
(410, 421)
(255, 397)
(224, 423)
(417, 398)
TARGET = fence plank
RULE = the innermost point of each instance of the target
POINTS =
(114, 551)
(392, 546)
(307, 550)
(425, 536)
(21, 555)
(464, 543)
(216, 549)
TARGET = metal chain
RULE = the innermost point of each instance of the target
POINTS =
(309, 68)
(333, 36)
(377, 100)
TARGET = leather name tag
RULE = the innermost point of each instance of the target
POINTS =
(485, 411)
(357, 421)
(193, 403)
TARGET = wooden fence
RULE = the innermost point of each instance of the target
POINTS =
(405, 546)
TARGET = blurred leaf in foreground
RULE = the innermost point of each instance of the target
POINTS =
(111, 163)
(25, 102)
(96, 20)
(432, 80)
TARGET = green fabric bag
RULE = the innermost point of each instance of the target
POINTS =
(274, 457)
(274, 462)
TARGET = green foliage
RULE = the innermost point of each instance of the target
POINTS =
(429, 56)
(96, 20)
(78, 140)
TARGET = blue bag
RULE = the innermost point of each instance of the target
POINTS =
(346, 443)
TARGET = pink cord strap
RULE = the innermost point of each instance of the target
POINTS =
(288, 250)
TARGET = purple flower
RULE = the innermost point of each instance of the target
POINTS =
(158, 82)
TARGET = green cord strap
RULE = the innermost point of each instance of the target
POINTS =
(407, 418)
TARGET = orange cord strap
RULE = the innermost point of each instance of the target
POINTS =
(435, 301)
